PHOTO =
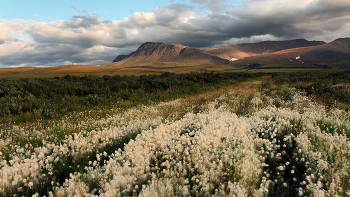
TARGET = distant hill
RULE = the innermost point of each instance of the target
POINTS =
(150, 53)
(336, 49)
(339, 48)
(335, 54)
(340, 44)
(240, 51)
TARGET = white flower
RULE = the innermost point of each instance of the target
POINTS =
(300, 193)
(30, 184)
(280, 168)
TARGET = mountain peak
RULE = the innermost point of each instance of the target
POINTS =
(150, 52)
(158, 49)
(153, 49)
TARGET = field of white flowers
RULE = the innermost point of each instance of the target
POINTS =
(271, 143)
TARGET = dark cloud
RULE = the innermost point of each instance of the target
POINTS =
(287, 20)
(82, 22)
(89, 39)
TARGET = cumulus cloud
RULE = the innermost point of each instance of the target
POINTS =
(92, 40)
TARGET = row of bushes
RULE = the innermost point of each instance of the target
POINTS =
(48, 98)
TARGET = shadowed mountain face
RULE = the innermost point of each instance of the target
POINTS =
(339, 48)
(193, 54)
(150, 52)
(119, 58)
(240, 51)
(339, 45)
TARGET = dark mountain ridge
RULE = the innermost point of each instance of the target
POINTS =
(339, 48)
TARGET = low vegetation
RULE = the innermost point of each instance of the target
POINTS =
(196, 134)
(329, 88)
(28, 100)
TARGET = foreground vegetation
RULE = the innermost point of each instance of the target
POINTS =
(205, 134)
(27, 100)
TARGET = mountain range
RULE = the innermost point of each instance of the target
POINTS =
(150, 54)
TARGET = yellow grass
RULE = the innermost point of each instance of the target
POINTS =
(80, 69)
(74, 70)
(4, 71)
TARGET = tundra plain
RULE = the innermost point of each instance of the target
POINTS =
(192, 134)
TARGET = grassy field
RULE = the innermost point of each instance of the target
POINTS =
(74, 70)
(195, 134)
(185, 67)
(82, 70)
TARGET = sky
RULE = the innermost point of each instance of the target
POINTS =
(51, 33)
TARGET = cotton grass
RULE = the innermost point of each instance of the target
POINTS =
(292, 147)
